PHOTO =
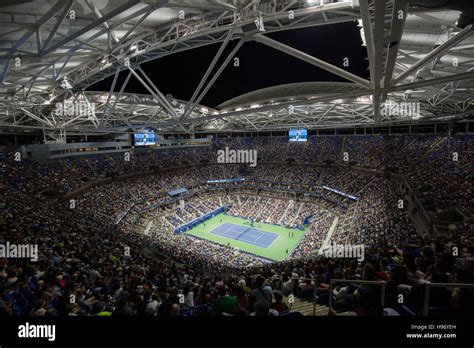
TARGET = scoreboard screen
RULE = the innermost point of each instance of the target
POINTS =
(145, 138)
(298, 135)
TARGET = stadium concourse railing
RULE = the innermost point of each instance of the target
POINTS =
(311, 282)
(367, 282)
(329, 289)
(426, 300)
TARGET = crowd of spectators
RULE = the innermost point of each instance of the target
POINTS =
(97, 248)
(438, 167)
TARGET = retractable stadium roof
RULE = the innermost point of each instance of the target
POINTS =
(52, 51)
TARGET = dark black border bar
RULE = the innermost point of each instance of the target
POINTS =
(223, 331)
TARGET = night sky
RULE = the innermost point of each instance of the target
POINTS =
(260, 66)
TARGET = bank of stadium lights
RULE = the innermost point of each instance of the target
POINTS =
(364, 99)
(255, 106)
(103, 97)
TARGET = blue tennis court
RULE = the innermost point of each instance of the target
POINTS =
(245, 234)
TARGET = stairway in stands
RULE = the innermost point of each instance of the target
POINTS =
(431, 149)
(307, 308)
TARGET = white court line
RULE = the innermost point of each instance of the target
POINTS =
(266, 246)
(249, 233)
(225, 233)
(260, 233)
(262, 245)
(250, 241)
(232, 233)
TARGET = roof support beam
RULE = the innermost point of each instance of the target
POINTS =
(99, 15)
(282, 105)
(436, 20)
(157, 94)
(111, 91)
(311, 60)
(92, 116)
(378, 57)
(108, 111)
(39, 119)
(161, 98)
(191, 103)
(225, 5)
(440, 50)
(219, 72)
(430, 82)
(61, 18)
(396, 31)
(369, 37)
(28, 34)
(355, 94)
(148, 11)
(94, 24)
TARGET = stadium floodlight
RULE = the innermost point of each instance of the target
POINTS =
(364, 99)
(134, 47)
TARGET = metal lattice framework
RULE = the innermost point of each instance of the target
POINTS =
(416, 56)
